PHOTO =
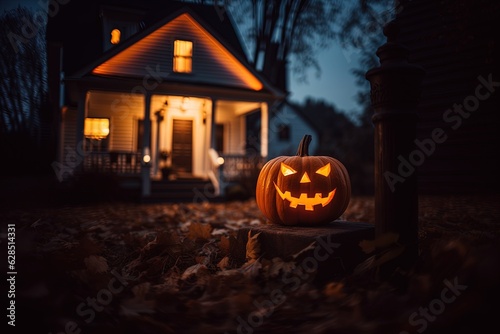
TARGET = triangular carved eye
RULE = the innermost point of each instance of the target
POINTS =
(287, 170)
(325, 170)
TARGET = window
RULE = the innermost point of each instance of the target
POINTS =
(115, 36)
(283, 132)
(96, 128)
(96, 132)
(183, 56)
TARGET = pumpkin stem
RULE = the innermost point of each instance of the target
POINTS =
(303, 150)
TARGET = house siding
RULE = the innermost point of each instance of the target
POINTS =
(123, 118)
(298, 128)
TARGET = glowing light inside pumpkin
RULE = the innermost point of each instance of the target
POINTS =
(287, 170)
(305, 178)
(304, 199)
(325, 170)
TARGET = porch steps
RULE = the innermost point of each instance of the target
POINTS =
(195, 190)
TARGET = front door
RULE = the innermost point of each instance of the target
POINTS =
(182, 145)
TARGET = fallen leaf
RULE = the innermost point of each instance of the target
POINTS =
(140, 290)
(251, 268)
(277, 265)
(308, 248)
(383, 241)
(225, 244)
(334, 289)
(224, 263)
(253, 246)
(199, 231)
(96, 264)
(194, 270)
(375, 261)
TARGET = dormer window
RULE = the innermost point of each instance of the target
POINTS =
(183, 56)
(115, 36)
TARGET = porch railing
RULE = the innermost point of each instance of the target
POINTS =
(224, 169)
(233, 168)
(119, 162)
(239, 167)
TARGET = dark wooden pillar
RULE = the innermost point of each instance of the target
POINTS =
(395, 91)
(146, 150)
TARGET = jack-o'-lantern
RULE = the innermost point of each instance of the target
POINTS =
(303, 189)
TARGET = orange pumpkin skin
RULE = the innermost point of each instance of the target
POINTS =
(302, 189)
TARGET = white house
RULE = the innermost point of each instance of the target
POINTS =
(153, 82)
(286, 128)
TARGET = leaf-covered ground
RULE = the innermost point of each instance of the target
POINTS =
(167, 268)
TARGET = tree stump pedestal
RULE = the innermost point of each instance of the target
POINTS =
(332, 251)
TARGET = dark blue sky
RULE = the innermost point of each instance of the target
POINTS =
(336, 85)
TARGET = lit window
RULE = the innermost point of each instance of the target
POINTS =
(115, 36)
(96, 128)
(183, 56)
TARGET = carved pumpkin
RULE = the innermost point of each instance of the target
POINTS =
(303, 189)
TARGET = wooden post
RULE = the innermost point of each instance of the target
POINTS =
(146, 165)
(395, 91)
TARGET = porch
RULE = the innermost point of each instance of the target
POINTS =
(226, 170)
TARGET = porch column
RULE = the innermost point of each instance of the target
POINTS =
(395, 92)
(160, 116)
(146, 160)
(264, 129)
(80, 124)
(212, 124)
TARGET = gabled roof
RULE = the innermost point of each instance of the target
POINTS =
(299, 112)
(214, 18)
(78, 26)
(83, 55)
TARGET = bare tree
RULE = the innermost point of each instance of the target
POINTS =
(23, 71)
(23, 92)
(280, 29)
(275, 31)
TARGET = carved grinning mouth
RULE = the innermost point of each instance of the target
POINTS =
(304, 199)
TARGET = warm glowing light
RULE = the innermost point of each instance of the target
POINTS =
(220, 160)
(96, 128)
(305, 178)
(325, 170)
(115, 36)
(287, 170)
(183, 56)
(305, 200)
(146, 158)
